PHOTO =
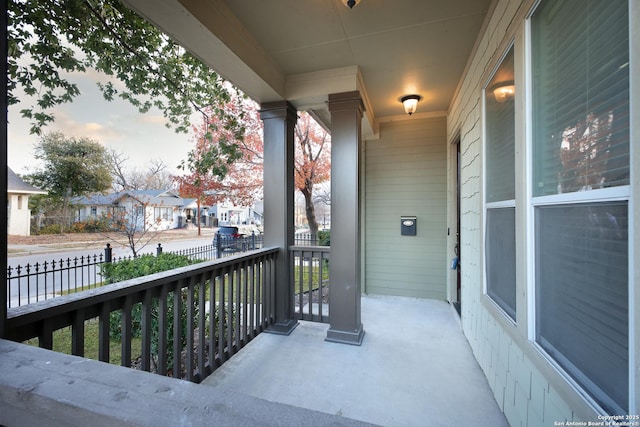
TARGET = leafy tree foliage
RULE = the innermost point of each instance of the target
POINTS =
(71, 167)
(50, 39)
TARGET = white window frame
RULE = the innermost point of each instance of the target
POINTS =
(610, 194)
(499, 204)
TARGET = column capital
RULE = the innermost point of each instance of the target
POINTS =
(346, 101)
(278, 110)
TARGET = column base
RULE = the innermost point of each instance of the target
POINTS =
(282, 328)
(344, 337)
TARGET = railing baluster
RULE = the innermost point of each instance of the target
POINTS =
(77, 333)
(231, 313)
(177, 330)
(212, 320)
(202, 317)
(252, 300)
(238, 307)
(245, 302)
(162, 331)
(222, 323)
(45, 336)
(190, 326)
(270, 283)
(126, 332)
(103, 332)
(145, 325)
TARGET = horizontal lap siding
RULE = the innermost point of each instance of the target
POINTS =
(526, 394)
(406, 174)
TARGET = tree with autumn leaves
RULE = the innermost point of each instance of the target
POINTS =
(226, 166)
(313, 163)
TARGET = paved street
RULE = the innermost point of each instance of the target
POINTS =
(65, 259)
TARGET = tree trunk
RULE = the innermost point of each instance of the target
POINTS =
(310, 212)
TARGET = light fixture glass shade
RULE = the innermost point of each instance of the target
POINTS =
(410, 103)
(350, 3)
(504, 91)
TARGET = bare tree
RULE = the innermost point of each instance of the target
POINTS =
(135, 222)
(117, 169)
(155, 175)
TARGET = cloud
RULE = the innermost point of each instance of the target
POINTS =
(153, 119)
(96, 131)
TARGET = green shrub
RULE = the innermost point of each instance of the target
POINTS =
(324, 238)
(143, 266)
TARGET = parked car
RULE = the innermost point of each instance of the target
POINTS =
(231, 239)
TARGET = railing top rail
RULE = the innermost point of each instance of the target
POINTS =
(310, 248)
(68, 303)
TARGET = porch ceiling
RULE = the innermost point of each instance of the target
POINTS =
(303, 50)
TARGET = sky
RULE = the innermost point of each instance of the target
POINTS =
(115, 124)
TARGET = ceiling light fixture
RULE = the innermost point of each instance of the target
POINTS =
(410, 103)
(504, 91)
(350, 3)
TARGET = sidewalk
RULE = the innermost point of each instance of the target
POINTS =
(31, 245)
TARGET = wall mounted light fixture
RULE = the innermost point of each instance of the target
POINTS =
(410, 103)
(350, 3)
(504, 91)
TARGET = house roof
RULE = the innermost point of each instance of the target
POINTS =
(16, 185)
(153, 197)
(301, 51)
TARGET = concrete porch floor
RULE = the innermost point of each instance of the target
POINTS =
(414, 368)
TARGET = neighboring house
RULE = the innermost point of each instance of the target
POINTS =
(18, 212)
(228, 213)
(155, 209)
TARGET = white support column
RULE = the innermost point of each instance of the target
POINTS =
(345, 287)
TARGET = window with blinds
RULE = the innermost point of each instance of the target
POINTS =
(580, 188)
(581, 95)
(499, 172)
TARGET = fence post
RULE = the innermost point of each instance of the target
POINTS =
(218, 245)
(108, 253)
(253, 240)
(159, 249)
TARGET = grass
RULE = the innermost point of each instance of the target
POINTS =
(315, 283)
(62, 343)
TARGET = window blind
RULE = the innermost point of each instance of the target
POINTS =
(582, 295)
(581, 95)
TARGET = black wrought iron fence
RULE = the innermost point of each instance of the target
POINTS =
(39, 281)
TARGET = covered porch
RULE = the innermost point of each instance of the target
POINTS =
(414, 367)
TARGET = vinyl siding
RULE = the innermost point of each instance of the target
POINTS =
(406, 174)
(527, 388)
